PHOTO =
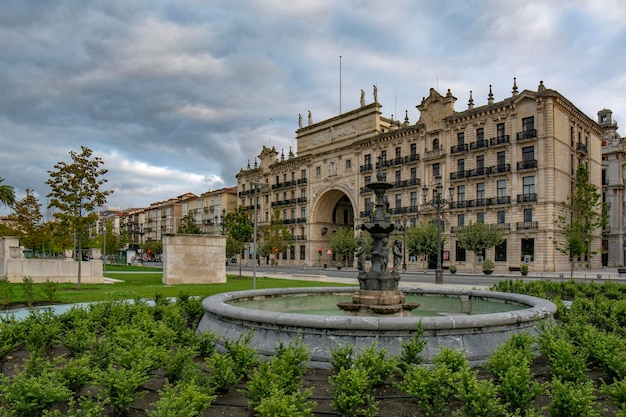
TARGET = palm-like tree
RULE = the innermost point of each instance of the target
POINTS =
(7, 194)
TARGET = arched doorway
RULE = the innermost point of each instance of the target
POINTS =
(332, 211)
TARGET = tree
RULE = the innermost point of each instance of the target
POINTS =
(152, 248)
(27, 216)
(7, 194)
(275, 237)
(76, 193)
(344, 243)
(188, 226)
(114, 242)
(421, 239)
(238, 228)
(478, 237)
(584, 214)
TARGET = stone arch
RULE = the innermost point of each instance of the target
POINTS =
(324, 209)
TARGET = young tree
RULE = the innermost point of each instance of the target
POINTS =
(275, 237)
(27, 215)
(421, 239)
(152, 247)
(584, 215)
(7, 194)
(188, 226)
(344, 243)
(76, 193)
(238, 228)
(478, 237)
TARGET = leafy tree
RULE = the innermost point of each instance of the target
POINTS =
(421, 239)
(238, 228)
(584, 214)
(7, 194)
(27, 216)
(114, 241)
(76, 193)
(275, 237)
(478, 237)
(188, 226)
(153, 247)
(344, 243)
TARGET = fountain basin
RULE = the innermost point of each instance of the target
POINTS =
(477, 335)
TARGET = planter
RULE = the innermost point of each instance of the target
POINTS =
(524, 273)
(487, 272)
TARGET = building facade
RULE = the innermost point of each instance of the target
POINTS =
(509, 162)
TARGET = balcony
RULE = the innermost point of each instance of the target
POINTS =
(365, 190)
(301, 200)
(434, 154)
(297, 238)
(285, 184)
(366, 167)
(302, 181)
(283, 202)
(526, 198)
(367, 213)
(458, 148)
(500, 140)
(413, 158)
(581, 147)
(494, 201)
(527, 135)
(480, 202)
(527, 226)
(477, 172)
(455, 229)
(457, 175)
(462, 204)
(407, 183)
(499, 169)
(479, 144)
(503, 226)
(527, 164)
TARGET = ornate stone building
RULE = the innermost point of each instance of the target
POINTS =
(509, 162)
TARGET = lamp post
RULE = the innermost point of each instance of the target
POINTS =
(104, 245)
(404, 220)
(438, 203)
(256, 186)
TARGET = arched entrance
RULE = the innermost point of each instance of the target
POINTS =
(332, 211)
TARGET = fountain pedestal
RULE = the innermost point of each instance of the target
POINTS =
(390, 303)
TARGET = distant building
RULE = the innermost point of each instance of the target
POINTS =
(509, 162)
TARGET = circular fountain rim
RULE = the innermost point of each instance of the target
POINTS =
(220, 304)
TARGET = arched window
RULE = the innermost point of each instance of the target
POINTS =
(435, 144)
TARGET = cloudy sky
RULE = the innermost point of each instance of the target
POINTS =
(177, 95)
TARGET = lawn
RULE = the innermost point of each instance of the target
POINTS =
(135, 282)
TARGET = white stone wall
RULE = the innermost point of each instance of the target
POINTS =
(194, 259)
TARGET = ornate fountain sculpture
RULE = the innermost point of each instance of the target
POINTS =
(378, 288)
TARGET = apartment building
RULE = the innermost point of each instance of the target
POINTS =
(209, 209)
(509, 162)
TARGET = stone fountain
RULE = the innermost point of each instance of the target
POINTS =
(378, 288)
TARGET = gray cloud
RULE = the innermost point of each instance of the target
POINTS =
(177, 96)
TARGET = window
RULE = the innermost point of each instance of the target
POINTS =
(284, 177)
(383, 155)
(368, 179)
(413, 198)
(460, 139)
(398, 176)
(368, 160)
(413, 173)
(303, 193)
(461, 219)
(398, 152)
(460, 253)
(501, 251)
(267, 198)
(368, 204)
(528, 249)
(460, 165)
(480, 217)
(480, 134)
(293, 214)
(398, 201)
(480, 190)
(500, 130)
(480, 162)
(529, 185)
(528, 215)
(501, 158)
(302, 252)
(528, 153)
(277, 179)
(436, 171)
(501, 188)
(413, 150)
(293, 176)
(318, 170)
(303, 212)
(348, 163)
(528, 123)
(303, 174)
(435, 144)
(501, 217)
(460, 193)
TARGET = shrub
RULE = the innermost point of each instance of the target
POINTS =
(341, 357)
(243, 355)
(205, 343)
(452, 269)
(76, 373)
(223, 373)
(478, 397)
(524, 269)
(28, 288)
(375, 362)
(351, 393)
(121, 386)
(411, 351)
(572, 399)
(279, 403)
(6, 292)
(182, 400)
(455, 360)
(488, 265)
(179, 364)
(43, 331)
(50, 289)
(617, 392)
(430, 389)
(87, 407)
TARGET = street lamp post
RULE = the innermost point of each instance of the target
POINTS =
(404, 220)
(438, 203)
(256, 186)
(104, 245)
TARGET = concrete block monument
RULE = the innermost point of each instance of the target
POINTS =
(194, 259)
